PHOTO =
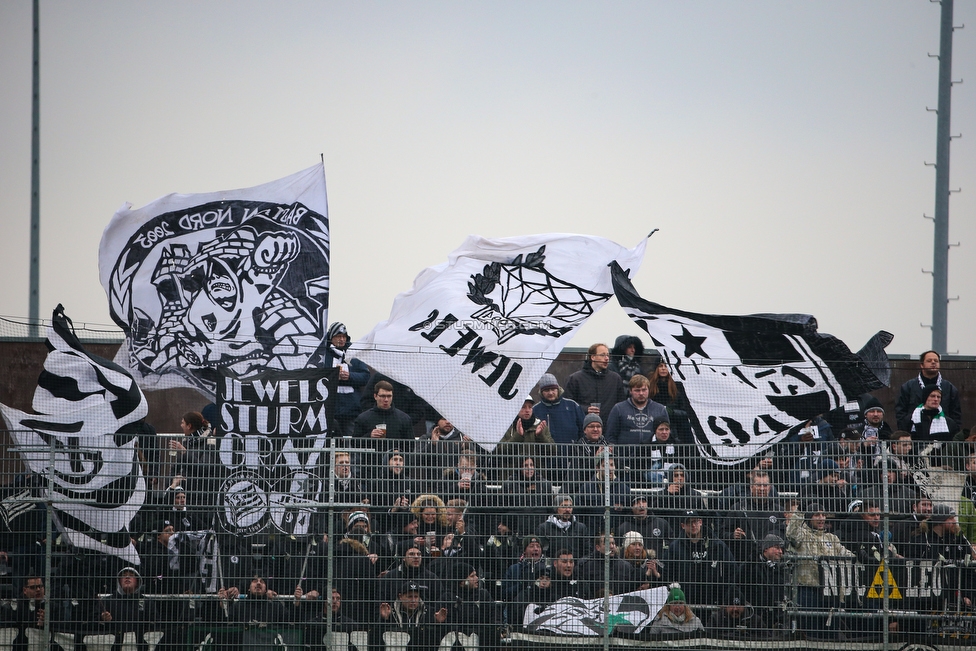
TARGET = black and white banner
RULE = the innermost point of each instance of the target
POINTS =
(235, 280)
(82, 439)
(277, 427)
(474, 335)
(750, 379)
(629, 613)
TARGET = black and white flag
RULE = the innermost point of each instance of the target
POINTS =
(474, 335)
(235, 280)
(277, 428)
(82, 439)
(750, 379)
(629, 613)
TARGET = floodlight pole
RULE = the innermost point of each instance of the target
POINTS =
(940, 263)
(35, 223)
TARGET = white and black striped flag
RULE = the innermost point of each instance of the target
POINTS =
(751, 379)
(82, 439)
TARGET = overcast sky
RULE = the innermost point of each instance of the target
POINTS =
(778, 146)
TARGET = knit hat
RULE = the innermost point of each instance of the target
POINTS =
(357, 516)
(772, 540)
(813, 508)
(927, 391)
(632, 537)
(676, 595)
(336, 329)
(941, 513)
(531, 539)
(547, 380)
(592, 418)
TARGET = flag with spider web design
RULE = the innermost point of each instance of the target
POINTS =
(474, 335)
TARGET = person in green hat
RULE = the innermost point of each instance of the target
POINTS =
(675, 616)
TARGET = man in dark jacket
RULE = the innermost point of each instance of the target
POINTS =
(596, 388)
(910, 395)
(353, 376)
(383, 422)
(703, 566)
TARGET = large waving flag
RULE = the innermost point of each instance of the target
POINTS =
(474, 335)
(750, 379)
(235, 280)
(82, 438)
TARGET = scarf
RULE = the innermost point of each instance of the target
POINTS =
(939, 424)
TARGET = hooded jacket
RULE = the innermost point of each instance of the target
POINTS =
(563, 416)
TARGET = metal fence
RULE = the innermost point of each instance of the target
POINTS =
(441, 544)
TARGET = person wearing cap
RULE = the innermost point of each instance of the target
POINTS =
(630, 424)
(929, 422)
(412, 568)
(562, 529)
(874, 427)
(736, 619)
(562, 415)
(353, 376)
(595, 387)
(527, 436)
(701, 565)
(678, 497)
(551, 585)
(408, 622)
(910, 396)
(531, 564)
(809, 539)
(675, 617)
(765, 578)
(587, 447)
(937, 543)
(126, 610)
(654, 531)
(645, 569)
(473, 617)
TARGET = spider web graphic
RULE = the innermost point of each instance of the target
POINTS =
(530, 299)
(548, 292)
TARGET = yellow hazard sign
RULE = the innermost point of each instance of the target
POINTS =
(877, 585)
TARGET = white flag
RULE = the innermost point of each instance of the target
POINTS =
(474, 335)
(236, 280)
(629, 613)
(82, 439)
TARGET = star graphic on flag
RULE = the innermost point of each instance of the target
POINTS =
(692, 343)
(615, 619)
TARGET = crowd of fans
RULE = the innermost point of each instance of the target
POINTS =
(595, 489)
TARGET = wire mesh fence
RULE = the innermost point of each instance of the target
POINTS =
(441, 544)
